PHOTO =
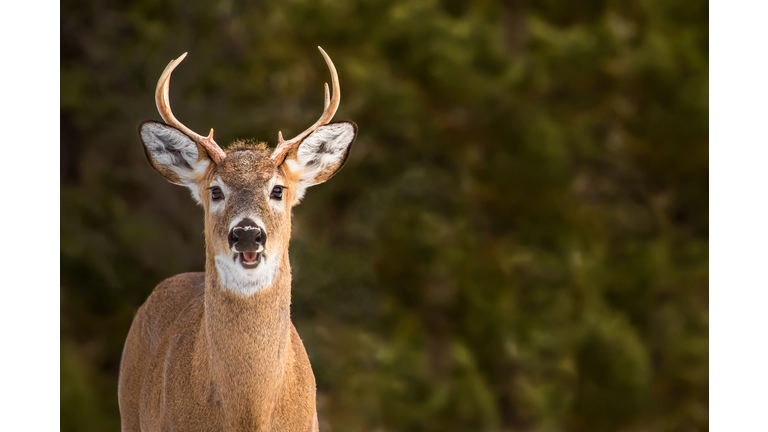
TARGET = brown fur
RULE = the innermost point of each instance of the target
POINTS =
(202, 358)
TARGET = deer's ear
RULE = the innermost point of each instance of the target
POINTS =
(321, 154)
(174, 155)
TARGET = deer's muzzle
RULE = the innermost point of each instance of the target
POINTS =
(247, 240)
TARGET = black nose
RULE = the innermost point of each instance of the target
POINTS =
(246, 236)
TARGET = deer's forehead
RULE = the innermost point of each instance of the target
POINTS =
(245, 168)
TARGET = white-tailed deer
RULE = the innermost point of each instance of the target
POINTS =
(217, 351)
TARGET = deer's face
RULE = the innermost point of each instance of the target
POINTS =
(247, 216)
(247, 192)
(246, 196)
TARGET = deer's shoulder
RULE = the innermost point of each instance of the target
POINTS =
(173, 296)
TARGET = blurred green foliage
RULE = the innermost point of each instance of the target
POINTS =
(518, 242)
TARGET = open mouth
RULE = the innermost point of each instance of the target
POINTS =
(249, 260)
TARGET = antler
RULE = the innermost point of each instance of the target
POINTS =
(330, 107)
(164, 107)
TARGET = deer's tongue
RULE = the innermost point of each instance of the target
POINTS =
(250, 257)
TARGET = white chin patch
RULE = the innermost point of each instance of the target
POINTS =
(243, 281)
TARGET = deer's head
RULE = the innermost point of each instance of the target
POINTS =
(248, 191)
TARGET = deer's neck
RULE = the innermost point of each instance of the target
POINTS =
(248, 344)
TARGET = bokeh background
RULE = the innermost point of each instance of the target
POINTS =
(519, 241)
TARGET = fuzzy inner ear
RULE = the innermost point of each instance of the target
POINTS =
(174, 155)
(321, 154)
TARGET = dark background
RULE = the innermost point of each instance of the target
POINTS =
(519, 240)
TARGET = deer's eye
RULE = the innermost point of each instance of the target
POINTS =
(277, 193)
(216, 193)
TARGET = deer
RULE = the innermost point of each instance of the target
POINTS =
(216, 350)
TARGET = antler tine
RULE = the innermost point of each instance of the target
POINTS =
(164, 108)
(330, 105)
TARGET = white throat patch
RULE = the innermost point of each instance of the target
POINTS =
(246, 282)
